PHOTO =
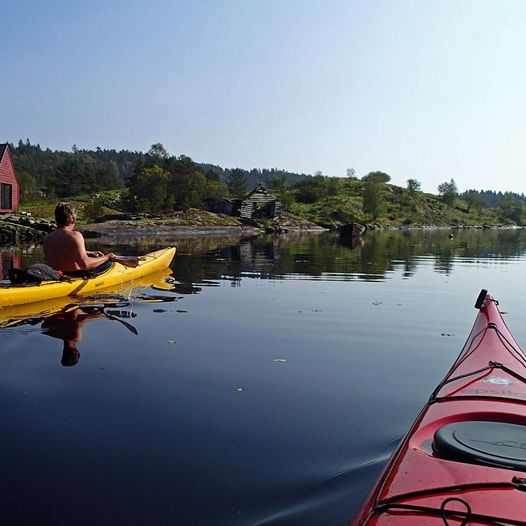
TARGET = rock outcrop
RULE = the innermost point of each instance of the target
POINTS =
(23, 228)
(12, 234)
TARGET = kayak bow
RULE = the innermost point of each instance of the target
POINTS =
(463, 462)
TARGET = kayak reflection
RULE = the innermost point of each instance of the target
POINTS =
(65, 318)
(113, 297)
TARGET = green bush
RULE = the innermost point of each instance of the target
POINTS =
(94, 209)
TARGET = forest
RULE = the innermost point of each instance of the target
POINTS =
(56, 173)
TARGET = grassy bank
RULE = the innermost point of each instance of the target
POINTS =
(399, 207)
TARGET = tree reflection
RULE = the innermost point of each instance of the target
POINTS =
(325, 256)
(205, 261)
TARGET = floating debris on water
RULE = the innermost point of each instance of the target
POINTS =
(378, 302)
(171, 341)
(448, 334)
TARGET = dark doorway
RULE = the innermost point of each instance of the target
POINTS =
(6, 198)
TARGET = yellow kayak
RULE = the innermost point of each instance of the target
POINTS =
(158, 280)
(117, 274)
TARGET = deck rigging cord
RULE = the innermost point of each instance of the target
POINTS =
(393, 503)
(510, 348)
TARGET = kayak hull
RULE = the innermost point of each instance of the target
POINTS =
(27, 312)
(425, 485)
(117, 274)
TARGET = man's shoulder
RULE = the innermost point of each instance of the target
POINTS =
(58, 235)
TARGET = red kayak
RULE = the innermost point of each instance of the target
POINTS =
(463, 462)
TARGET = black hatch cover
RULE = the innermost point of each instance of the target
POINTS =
(488, 443)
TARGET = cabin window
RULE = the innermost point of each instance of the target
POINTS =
(6, 197)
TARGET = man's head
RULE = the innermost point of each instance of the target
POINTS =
(65, 214)
(70, 354)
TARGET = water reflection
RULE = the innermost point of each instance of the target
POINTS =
(207, 260)
(290, 387)
(65, 318)
(325, 256)
(68, 326)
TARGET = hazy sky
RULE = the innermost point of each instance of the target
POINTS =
(431, 90)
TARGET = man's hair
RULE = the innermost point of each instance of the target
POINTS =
(65, 214)
(70, 355)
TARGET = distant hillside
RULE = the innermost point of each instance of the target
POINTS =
(158, 182)
(343, 202)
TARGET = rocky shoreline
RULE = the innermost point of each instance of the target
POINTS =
(15, 229)
(22, 228)
(177, 227)
(444, 227)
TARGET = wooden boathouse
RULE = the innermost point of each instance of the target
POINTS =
(260, 203)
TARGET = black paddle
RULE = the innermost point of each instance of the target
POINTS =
(100, 308)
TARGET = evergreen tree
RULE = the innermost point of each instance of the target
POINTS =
(448, 191)
(158, 151)
(380, 177)
(472, 198)
(373, 199)
(413, 186)
(149, 190)
(237, 182)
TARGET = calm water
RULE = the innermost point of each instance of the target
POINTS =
(266, 383)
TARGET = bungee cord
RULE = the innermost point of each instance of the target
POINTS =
(394, 503)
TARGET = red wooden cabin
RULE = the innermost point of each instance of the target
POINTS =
(9, 184)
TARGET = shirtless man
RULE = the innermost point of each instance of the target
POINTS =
(64, 248)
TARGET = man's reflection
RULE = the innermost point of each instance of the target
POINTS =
(68, 325)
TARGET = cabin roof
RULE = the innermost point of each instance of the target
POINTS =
(4, 150)
(260, 189)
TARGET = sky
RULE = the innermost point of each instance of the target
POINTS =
(426, 89)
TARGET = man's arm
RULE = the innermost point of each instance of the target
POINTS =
(82, 258)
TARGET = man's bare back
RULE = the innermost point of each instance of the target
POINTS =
(64, 248)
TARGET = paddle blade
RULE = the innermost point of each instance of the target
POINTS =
(129, 326)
